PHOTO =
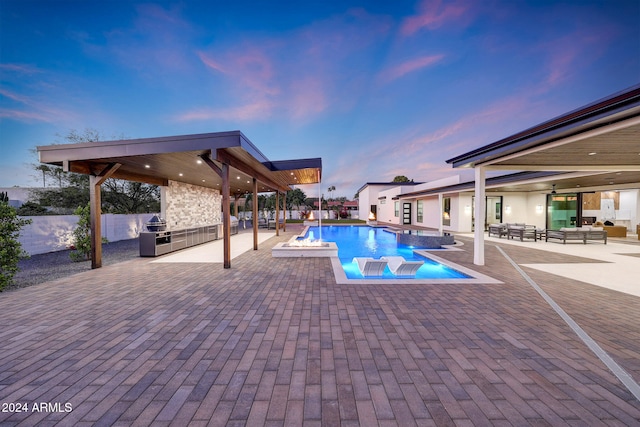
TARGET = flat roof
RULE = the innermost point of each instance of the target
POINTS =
(603, 135)
(180, 158)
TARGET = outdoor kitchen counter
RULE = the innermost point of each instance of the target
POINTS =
(156, 243)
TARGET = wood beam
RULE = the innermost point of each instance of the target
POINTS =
(89, 168)
(224, 156)
(226, 216)
(207, 159)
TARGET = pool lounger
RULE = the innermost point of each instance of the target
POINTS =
(401, 267)
(370, 266)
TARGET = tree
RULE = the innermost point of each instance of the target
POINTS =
(401, 178)
(44, 169)
(295, 198)
(73, 189)
(130, 197)
(10, 248)
(331, 189)
(31, 209)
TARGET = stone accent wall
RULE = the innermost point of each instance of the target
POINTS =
(188, 205)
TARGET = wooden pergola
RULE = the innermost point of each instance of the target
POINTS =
(207, 160)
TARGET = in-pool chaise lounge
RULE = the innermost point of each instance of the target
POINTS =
(370, 266)
(401, 267)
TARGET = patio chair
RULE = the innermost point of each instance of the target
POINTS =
(370, 266)
(498, 229)
(401, 267)
(522, 232)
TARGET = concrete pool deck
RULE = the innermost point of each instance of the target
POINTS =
(277, 342)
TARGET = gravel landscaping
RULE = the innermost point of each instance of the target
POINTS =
(55, 265)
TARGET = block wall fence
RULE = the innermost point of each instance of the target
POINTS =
(52, 233)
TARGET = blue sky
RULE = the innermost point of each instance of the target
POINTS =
(375, 88)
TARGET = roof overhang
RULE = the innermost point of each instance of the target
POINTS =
(183, 158)
(539, 181)
(601, 137)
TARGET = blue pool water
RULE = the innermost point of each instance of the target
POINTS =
(364, 241)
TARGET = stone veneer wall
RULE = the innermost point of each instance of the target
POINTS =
(187, 205)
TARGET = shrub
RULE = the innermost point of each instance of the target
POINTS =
(82, 235)
(10, 248)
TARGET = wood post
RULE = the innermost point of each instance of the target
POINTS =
(95, 212)
(277, 213)
(95, 204)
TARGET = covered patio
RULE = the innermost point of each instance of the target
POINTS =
(225, 161)
(598, 145)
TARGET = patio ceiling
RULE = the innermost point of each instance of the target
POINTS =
(180, 158)
(601, 137)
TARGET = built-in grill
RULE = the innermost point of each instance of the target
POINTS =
(156, 224)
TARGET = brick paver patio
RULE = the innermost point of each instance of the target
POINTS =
(276, 342)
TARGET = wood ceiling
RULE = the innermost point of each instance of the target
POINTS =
(158, 160)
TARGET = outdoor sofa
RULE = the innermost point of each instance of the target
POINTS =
(502, 229)
(522, 232)
(579, 233)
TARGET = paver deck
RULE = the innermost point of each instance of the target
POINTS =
(276, 342)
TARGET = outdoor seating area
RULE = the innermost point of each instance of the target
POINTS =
(583, 234)
(522, 231)
(515, 230)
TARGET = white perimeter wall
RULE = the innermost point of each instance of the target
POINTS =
(55, 232)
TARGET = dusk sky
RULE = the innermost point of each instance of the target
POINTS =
(374, 88)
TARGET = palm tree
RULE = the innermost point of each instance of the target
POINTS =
(331, 190)
(295, 198)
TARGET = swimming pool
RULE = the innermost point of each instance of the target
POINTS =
(363, 241)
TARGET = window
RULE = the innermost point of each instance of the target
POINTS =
(396, 209)
(419, 211)
(446, 211)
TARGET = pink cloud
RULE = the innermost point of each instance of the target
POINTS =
(209, 62)
(259, 110)
(566, 56)
(410, 66)
(31, 109)
(290, 73)
(20, 68)
(433, 14)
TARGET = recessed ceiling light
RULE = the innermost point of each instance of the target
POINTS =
(147, 166)
(593, 153)
(203, 180)
(578, 185)
(180, 174)
(199, 161)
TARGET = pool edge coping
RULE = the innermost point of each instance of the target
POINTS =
(476, 278)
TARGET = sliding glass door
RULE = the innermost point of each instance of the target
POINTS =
(562, 210)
